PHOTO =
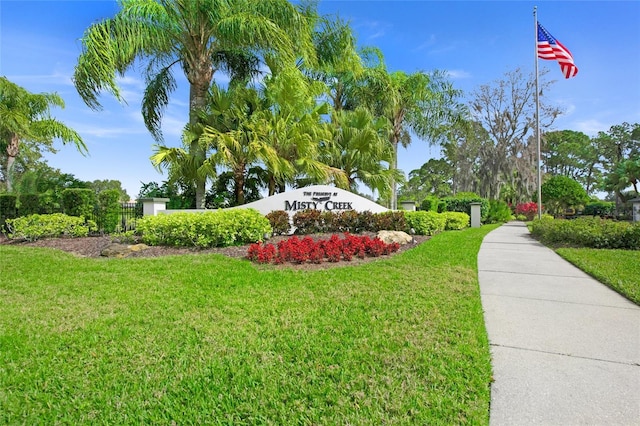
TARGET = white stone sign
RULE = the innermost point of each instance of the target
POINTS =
(317, 197)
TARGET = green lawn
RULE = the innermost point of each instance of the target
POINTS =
(207, 339)
(619, 269)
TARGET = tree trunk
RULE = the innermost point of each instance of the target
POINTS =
(272, 185)
(13, 148)
(239, 185)
(197, 101)
(394, 187)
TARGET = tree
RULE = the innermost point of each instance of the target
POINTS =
(107, 184)
(200, 36)
(433, 178)
(291, 121)
(570, 153)
(619, 151)
(231, 120)
(562, 192)
(420, 103)
(506, 110)
(360, 148)
(25, 117)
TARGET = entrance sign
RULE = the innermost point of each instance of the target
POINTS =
(317, 197)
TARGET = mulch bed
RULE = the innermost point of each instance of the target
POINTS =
(93, 246)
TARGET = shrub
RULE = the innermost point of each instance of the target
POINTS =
(425, 223)
(347, 221)
(562, 192)
(592, 232)
(333, 250)
(367, 221)
(38, 226)
(499, 211)
(390, 221)
(204, 229)
(279, 220)
(599, 208)
(429, 204)
(28, 204)
(7, 209)
(462, 203)
(456, 220)
(78, 202)
(108, 210)
(528, 210)
(308, 221)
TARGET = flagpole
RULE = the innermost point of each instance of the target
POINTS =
(535, 22)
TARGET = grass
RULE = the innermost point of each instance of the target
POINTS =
(208, 339)
(618, 269)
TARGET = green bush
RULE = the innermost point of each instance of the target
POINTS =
(456, 220)
(279, 220)
(599, 208)
(38, 226)
(429, 204)
(78, 202)
(204, 229)
(28, 204)
(108, 210)
(462, 203)
(499, 211)
(425, 222)
(7, 209)
(592, 232)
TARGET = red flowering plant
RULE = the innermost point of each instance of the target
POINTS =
(527, 209)
(307, 250)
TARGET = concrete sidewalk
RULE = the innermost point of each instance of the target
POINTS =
(565, 348)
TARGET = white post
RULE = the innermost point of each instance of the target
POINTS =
(408, 205)
(151, 206)
(475, 215)
(635, 209)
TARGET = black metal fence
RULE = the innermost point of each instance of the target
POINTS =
(128, 217)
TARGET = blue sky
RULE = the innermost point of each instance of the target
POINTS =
(475, 41)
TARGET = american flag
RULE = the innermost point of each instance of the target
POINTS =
(550, 48)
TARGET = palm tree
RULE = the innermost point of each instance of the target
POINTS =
(26, 117)
(360, 148)
(231, 119)
(291, 121)
(200, 36)
(419, 103)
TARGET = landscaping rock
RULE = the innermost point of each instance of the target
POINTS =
(121, 250)
(395, 237)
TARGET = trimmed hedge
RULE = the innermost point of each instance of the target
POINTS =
(279, 220)
(78, 202)
(7, 209)
(425, 222)
(592, 232)
(108, 210)
(463, 204)
(38, 226)
(218, 228)
(456, 221)
(28, 204)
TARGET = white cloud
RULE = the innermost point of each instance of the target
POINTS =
(590, 127)
(426, 44)
(105, 131)
(458, 74)
(55, 78)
